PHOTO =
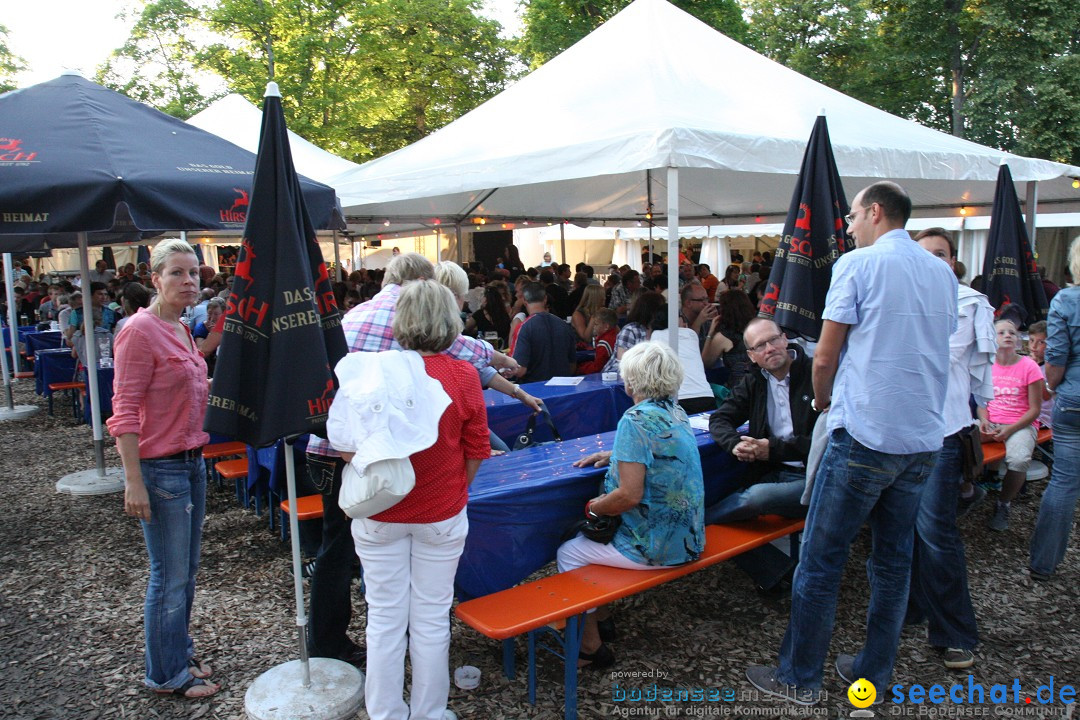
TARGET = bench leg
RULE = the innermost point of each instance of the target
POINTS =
(575, 627)
(508, 658)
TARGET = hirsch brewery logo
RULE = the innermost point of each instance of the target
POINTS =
(237, 213)
(12, 153)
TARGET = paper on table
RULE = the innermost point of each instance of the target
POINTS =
(700, 422)
(565, 380)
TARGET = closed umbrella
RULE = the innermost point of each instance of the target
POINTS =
(815, 235)
(274, 378)
(1010, 274)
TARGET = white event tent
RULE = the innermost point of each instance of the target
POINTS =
(593, 136)
(656, 112)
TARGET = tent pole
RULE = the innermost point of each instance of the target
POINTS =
(90, 340)
(457, 231)
(1031, 202)
(562, 241)
(8, 272)
(13, 314)
(673, 256)
(337, 261)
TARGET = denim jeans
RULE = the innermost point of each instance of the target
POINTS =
(177, 491)
(777, 493)
(853, 484)
(1055, 521)
(331, 583)
(939, 582)
(409, 579)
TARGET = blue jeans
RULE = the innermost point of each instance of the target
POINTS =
(777, 493)
(939, 586)
(331, 583)
(853, 484)
(1055, 521)
(173, 535)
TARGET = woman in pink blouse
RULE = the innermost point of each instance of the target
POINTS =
(158, 409)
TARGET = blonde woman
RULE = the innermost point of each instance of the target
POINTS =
(592, 299)
(158, 407)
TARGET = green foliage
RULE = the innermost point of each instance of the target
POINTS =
(552, 26)
(358, 78)
(10, 63)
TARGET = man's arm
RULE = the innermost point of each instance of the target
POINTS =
(827, 361)
(1054, 376)
(729, 416)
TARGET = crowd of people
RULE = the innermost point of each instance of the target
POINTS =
(828, 436)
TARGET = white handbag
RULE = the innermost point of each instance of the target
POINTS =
(380, 486)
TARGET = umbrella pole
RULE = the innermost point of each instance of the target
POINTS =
(294, 537)
(92, 396)
(12, 411)
(13, 315)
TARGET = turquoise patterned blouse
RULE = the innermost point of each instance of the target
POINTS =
(668, 526)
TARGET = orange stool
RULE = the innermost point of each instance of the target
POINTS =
(308, 507)
(235, 470)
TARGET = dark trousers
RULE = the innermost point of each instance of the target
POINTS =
(331, 602)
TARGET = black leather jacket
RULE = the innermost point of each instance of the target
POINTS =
(749, 401)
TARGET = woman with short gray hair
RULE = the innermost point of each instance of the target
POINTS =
(653, 484)
(410, 551)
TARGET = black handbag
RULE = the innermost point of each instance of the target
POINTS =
(601, 529)
(526, 439)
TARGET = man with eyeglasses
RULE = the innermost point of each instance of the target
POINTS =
(880, 369)
(701, 316)
(776, 402)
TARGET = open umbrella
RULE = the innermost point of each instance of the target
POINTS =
(815, 235)
(274, 376)
(1010, 274)
(82, 164)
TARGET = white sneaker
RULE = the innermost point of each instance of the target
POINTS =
(449, 715)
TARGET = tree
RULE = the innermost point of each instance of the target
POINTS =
(10, 63)
(551, 26)
(358, 77)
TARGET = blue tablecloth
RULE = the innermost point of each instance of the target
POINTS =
(268, 463)
(52, 366)
(587, 408)
(22, 330)
(42, 340)
(521, 503)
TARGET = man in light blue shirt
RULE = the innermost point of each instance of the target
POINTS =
(880, 370)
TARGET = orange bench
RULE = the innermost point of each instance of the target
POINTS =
(994, 452)
(531, 607)
(217, 451)
(308, 507)
(75, 388)
(236, 470)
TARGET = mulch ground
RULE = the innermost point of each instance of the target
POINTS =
(73, 574)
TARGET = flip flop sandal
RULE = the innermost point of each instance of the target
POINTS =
(183, 690)
(195, 667)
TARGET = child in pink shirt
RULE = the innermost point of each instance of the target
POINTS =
(1011, 416)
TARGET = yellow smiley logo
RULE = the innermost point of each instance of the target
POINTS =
(862, 693)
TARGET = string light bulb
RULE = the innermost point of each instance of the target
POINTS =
(1076, 183)
(963, 210)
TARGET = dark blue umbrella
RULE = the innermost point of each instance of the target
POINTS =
(107, 256)
(142, 254)
(78, 157)
(1010, 274)
(815, 235)
(282, 336)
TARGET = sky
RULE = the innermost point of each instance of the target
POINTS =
(89, 31)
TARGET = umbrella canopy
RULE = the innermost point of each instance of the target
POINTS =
(1010, 275)
(274, 375)
(78, 157)
(815, 234)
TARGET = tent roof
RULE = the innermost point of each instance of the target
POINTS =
(238, 121)
(654, 88)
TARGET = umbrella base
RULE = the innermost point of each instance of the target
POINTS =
(18, 412)
(89, 482)
(336, 692)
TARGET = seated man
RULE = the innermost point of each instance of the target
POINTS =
(1037, 348)
(546, 346)
(776, 402)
